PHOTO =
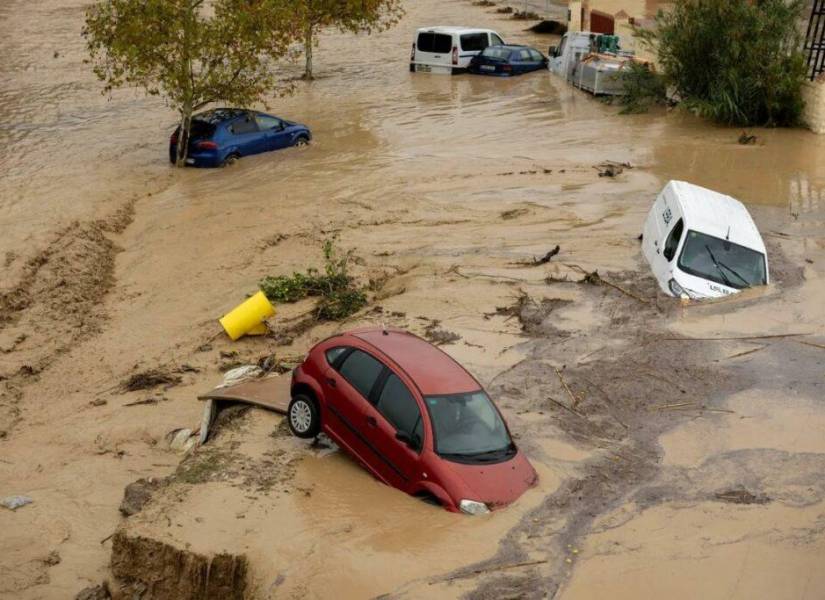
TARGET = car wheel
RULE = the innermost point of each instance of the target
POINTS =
(302, 140)
(230, 160)
(303, 417)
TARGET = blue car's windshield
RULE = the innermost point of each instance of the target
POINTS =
(468, 426)
(722, 261)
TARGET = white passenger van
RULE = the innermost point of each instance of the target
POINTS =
(702, 244)
(449, 49)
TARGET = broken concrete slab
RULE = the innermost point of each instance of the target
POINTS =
(271, 393)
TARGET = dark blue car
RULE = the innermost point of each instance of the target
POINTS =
(507, 60)
(219, 137)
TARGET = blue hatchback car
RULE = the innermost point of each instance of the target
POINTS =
(510, 59)
(219, 137)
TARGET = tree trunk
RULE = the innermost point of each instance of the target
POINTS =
(186, 109)
(183, 135)
(308, 35)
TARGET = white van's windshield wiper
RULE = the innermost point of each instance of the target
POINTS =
(738, 276)
(718, 268)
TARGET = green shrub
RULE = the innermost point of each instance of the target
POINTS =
(644, 88)
(337, 293)
(734, 61)
(338, 304)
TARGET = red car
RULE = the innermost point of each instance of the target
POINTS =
(412, 416)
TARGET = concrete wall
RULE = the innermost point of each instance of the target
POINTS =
(814, 94)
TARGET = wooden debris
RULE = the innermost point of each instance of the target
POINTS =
(574, 399)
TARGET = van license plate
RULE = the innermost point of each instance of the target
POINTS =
(423, 68)
(488, 68)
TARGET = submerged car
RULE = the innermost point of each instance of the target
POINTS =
(412, 416)
(219, 137)
(448, 50)
(507, 60)
(702, 244)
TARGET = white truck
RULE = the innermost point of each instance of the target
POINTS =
(702, 244)
(591, 61)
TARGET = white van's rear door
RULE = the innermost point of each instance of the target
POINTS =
(433, 51)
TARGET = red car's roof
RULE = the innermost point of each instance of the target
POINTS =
(434, 372)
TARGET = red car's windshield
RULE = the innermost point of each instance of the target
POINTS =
(468, 427)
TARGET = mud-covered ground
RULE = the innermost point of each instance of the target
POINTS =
(679, 447)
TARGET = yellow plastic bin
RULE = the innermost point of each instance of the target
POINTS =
(248, 318)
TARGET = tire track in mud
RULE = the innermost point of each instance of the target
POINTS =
(618, 416)
(56, 304)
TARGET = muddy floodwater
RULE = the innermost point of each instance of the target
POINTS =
(690, 465)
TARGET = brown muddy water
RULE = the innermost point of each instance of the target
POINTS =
(692, 467)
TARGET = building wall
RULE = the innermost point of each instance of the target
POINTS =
(814, 94)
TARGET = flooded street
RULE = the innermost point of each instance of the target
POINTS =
(693, 469)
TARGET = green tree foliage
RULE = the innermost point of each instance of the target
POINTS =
(738, 62)
(190, 52)
(348, 15)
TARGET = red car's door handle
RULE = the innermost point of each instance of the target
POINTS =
(331, 382)
(372, 422)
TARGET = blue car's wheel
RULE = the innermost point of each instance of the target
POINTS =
(230, 160)
(301, 140)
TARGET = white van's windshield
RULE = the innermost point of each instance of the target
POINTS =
(468, 428)
(722, 261)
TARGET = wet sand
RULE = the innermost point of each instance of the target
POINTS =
(112, 263)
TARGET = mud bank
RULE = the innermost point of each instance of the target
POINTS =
(56, 304)
(447, 191)
(152, 569)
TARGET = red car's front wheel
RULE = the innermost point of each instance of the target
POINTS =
(303, 417)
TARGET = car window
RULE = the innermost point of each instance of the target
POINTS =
(243, 125)
(722, 261)
(435, 42)
(536, 55)
(673, 240)
(265, 122)
(560, 49)
(425, 42)
(523, 55)
(398, 405)
(442, 44)
(495, 40)
(466, 424)
(334, 353)
(201, 129)
(496, 52)
(361, 370)
(473, 42)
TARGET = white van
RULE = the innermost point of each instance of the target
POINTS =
(449, 49)
(702, 244)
